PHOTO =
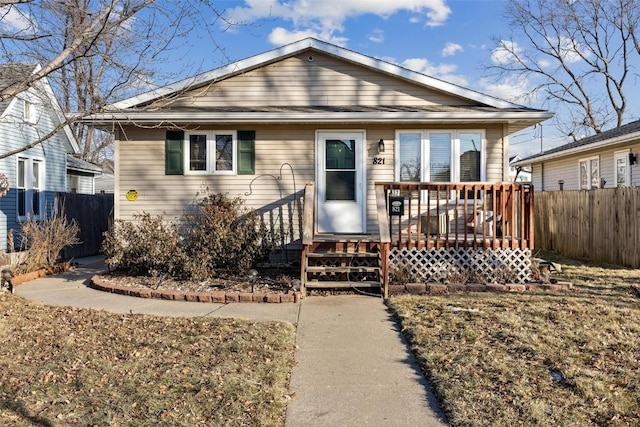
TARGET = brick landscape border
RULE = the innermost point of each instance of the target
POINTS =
(221, 297)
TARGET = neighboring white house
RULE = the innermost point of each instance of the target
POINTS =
(518, 173)
(605, 160)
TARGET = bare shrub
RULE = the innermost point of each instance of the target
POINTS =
(147, 246)
(538, 274)
(45, 239)
(220, 233)
(216, 234)
(401, 274)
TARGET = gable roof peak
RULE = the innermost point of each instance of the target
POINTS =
(296, 47)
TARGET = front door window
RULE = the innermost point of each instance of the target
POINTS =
(341, 169)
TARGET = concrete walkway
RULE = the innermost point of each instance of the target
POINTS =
(353, 366)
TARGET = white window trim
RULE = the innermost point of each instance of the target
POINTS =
(588, 160)
(28, 111)
(455, 152)
(625, 155)
(29, 186)
(210, 157)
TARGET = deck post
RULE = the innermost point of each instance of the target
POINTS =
(385, 238)
(308, 226)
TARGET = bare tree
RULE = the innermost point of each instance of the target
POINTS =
(95, 51)
(577, 54)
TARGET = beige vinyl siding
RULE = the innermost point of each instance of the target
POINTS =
(536, 177)
(296, 81)
(495, 171)
(81, 184)
(140, 160)
(141, 168)
(567, 169)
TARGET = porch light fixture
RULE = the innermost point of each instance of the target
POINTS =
(380, 146)
(632, 159)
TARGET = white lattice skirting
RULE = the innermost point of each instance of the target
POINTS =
(451, 265)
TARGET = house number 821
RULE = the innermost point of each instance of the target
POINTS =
(378, 160)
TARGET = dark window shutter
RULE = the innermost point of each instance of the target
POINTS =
(174, 149)
(246, 152)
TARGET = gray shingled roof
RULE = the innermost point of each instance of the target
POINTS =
(627, 129)
(82, 165)
(10, 74)
(345, 109)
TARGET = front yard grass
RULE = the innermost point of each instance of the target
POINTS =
(569, 358)
(67, 366)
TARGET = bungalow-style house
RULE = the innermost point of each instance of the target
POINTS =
(604, 160)
(361, 164)
(31, 178)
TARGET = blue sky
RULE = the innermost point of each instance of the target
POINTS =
(446, 39)
(450, 40)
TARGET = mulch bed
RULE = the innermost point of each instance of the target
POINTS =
(273, 284)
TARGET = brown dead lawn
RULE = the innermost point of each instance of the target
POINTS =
(569, 358)
(67, 366)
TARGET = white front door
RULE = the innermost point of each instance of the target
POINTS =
(340, 181)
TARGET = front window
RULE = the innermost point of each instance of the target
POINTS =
(589, 173)
(224, 152)
(197, 152)
(621, 169)
(409, 155)
(30, 187)
(440, 156)
(211, 152)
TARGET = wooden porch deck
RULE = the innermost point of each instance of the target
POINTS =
(465, 216)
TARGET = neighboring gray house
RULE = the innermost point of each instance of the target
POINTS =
(81, 175)
(105, 181)
(35, 175)
(605, 160)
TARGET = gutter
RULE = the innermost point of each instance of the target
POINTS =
(579, 149)
(346, 117)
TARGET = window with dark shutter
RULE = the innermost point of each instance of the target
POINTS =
(246, 152)
(174, 160)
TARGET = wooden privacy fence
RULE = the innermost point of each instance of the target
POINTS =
(599, 225)
(91, 212)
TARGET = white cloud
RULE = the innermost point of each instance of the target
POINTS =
(451, 49)
(514, 89)
(16, 20)
(442, 71)
(280, 36)
(376, 36)
(506, 53)
(569, 50)
(327, 17)
(544, 63)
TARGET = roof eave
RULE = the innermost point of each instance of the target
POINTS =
(583, 148)
(351, 117)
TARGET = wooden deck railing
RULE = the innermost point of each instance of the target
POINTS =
(460, 215)
(308, 213)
